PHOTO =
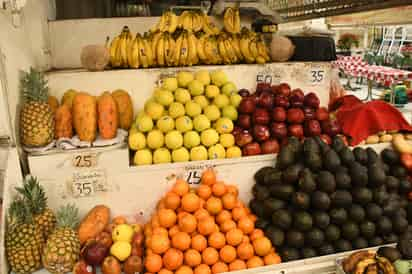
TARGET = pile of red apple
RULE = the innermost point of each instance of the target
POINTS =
(272, 113)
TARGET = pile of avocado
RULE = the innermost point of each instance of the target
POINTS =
(320, 199)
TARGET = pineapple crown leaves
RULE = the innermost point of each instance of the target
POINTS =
(33, 86)
(19, 212)
(68, 216)
(34, 195)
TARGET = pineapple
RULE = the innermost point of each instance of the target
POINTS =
(36, 117)
(36, 198)
(24, 241)
(62, 248)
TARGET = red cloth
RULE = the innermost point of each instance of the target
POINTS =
(359, 120)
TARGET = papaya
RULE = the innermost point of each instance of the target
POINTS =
(124, 107)
(85, 116)
(108, 117)
(63, 122)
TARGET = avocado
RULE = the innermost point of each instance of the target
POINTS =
(337, 143)
(282, 219)
(380, 196)
(291, 173)
(343, 180)
(338, 216)
(272, 177)
(260, 192)
(373, 157)
(373, 212)
(375, 241)
(307, 182)
(390, 156)
(315, 237)
(295, 145)
(350, 230)
(392, 183)
(399, 224)
(403, 202)
(398, 171)
(260, 174)
(283, 192)
(275, 235)
(384, 225)
(321, 219)
(326, 181)
(361, 155)
(362, 195)
(326, 249)
(405, 245)
(289, 254)
(308, 252)
(257, 208)
(386, 168)
(286, 157)
(272, 204)
(409, 213)
(391, 207)
(332, 233)
(313, 161)
(360, 243)
(376, 175)
(342, 245)
(405, 186)
(358, 174)
(346, 156)
(402, 212)
(367, 229)
(262, 223)
(390, 238)
(295, 238)
(302, 221)
(322, 145)
(331, 160)
(311, 146)
(356, 213)
(301, 200)
(320, 200)
(341, 198)
(390, 253)
(343, 169)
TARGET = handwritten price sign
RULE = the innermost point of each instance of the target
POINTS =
(84, 160)
(193, 173)
(86, 183)
(269, 75)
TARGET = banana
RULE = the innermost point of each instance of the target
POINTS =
(362, 265)
(149, 52)
(236, 21)
(198, 22)
(169, 46)
(386, 265)
(176, 50)
(193, 59)
(228, 20)
(184, 50)
(208, 27)
(253, 48)
(143, 58)
(200, 42)
(372, 269)
(230, 51)
(134, 54)
(173, 22)
(162, 23)
(244, 48)
(208, 50)
(160, 51)
(262, 49)
(186, 20)
(223, 51)
(155, 38)
(349, 264)
(123, 50)
(234, 40)
(113, 48)
(217, 58)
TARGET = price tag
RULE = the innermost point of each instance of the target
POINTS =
(86, 183)
(269, 75)
(317, 75)
(192, 174)
(85, 160)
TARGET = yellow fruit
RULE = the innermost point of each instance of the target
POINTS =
(121, 250)
(123, 233)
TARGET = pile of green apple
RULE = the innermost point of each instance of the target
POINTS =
(190, 117)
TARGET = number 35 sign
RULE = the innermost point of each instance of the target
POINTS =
(86, 183)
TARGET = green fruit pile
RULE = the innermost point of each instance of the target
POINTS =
(189, 118)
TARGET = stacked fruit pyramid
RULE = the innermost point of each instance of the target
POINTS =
(207, 230)
(322, 199)
(190, 117)
(186, 40)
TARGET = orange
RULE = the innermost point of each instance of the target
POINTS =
(262, 246)
(210, 256)
(173, 230)
(153, 263)
(190, 202)
(245, 251)
(161, 204)
(245, 239)
(119, 220)
(246, 225)
(234, 237)
(255, 261)
(204, 191)
(160, 231)
(181, 187)
(165, 271)
(201, 213)
(202, 269)
(219, 267)
(181, 241)
(223, 216)
(159, 243)
(253, 217)
(214, 205)
(227, 225)
(256, 233)
(180, 214)
(155, 221)
(148, 241)
(147, 229)
(238, 213)
(199, 243)
(167, 217)
(192, 257)
(229, 200)
(208, 177)
(228, 254)
(184, 269)
(148, 251)
(217, 240)
(272, 258)
(172, 200)
(173, 259)
(188, 223)
(232, 189)
(206, 226)
(237, 265)
(219, 189)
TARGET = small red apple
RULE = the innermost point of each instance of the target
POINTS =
(295, 130)
(261, 133)
(322, 114)
(81, 267)
(244, 92)
(266, 100)
(261, 116)
(236, 130)
(281, 101)
(275, 89)
(244, 121)
(261, 87)
(330, 127)
(243, 138)
(326, 139)
(284, 89)
(270, 146)
(137, 239)
(247, 105)
(95, 253)
(298, 93)
(312, 128)
(295, 116)
(279, 130)
(309, 113)
(251, 149)
(311, 100)
(279, 114)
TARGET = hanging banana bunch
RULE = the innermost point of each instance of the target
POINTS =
(231, 20)
(119, 49)
(168, 22)
(208, 26)
(191, 21)
(162, 49)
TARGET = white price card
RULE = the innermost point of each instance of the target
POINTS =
(316, 75)
(86, 183)
(270, 75)
(193, 173)
(88, 159)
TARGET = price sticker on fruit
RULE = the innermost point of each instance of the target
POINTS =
(87, 183)
(269, 75)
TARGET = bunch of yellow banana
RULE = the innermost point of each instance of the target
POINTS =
(191, 21)
(231, 20)
(163, 46)
(139, 53)
(168, 22)
(253, 48)
(119, 49)
(208, 26)
(185, 50)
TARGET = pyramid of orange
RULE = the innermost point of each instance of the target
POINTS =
(203, 231)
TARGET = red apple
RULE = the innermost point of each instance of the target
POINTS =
(138, 239)
(81, 267)
(279, 130)
(279, 114)
(322, 114)
(261, 133)
(261, 116)
(330, 127)
(251, 149)
(296, 98)
(243, 138)
(312, 128)
(281, 101)
(236, 130)
(284, 142)
(275, 89)
(326, 139)
(247, 105)
(244, 92)
(298, 93)
(311, 100)
(261, 87)
(295, 130)
(266, 100)
(270, 146)
(295, 116)
(95, 253)
(284, 89)
(309, 113)
(244, 121)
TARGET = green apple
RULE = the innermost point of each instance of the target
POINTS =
(201, 122)
(224, 125)
(229, 112)
(216, 152)
(218, 77)
(144, 123)
(137, 140)
(212, 112)
(174, 139)
(155, 139)
(212, 91)
(180, 155)
(209, 137)
(176, 110)
(184, 123)
(229, 88)
(198, 153)
(162, 156)
(182, 95)
(170, 83)
(193, 109)
(233, 152)
(227, 140)
(235, 100)
(184, 78)
(196, 88)
(201, 100)
(165, 124)
(154, 110)
(163, 96)
(221, 100)
(191, 139)
(143, 157)
(203, 76)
